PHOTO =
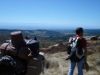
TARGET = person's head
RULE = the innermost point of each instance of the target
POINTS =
(79, 31)
(17, 39)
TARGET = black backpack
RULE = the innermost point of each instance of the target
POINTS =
(33, 45)
(73, 51)
(7, 65)
(12, 65)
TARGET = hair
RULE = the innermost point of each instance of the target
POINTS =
(79, 30)
(17, 39)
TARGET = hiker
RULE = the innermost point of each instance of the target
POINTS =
(17, 49)
(78, 52)
(34, 64)
(24, 52)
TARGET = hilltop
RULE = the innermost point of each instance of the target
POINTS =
(53, 44)
(57, 65)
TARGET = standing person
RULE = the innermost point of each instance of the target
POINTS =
(78, 54)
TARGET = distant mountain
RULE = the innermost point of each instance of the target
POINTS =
(47, 37)
(49, 33)
(92, 32)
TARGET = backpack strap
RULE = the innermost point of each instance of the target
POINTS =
(74, 41)
(7, 46)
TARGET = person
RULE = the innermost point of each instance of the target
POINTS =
(80, 56)
(21, 56)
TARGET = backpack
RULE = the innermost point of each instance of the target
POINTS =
(12, 66)
(74, 51)
(7, 65)
(33, 45)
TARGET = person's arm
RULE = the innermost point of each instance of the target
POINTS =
(85, 53)
(85, 50)
(69, 48)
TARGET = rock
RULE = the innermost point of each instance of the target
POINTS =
(94, 38)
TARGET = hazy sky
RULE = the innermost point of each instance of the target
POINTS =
(50, 13)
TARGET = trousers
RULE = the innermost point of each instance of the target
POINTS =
(79, 66)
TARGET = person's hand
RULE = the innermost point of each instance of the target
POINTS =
(86, 66)
(68, 57)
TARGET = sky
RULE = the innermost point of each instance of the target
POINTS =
(49, 14)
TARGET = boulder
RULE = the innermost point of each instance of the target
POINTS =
(94, 38)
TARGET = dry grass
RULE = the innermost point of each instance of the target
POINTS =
(57, 64)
